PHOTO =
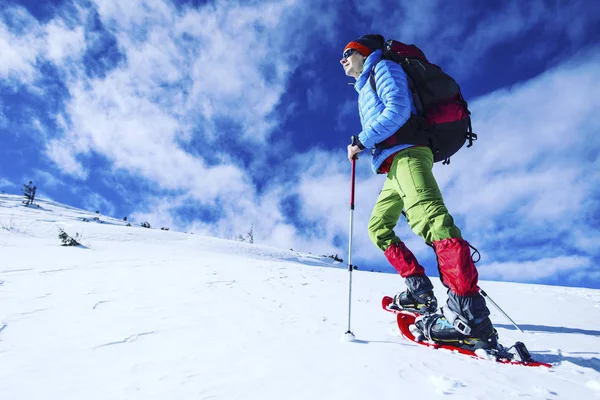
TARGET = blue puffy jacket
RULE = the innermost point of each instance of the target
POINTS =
(384, 112)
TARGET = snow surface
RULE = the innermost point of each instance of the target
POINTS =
(148, 314)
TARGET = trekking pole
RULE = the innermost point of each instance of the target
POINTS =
(349, 336)
(484, 294)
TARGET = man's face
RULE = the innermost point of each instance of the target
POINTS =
(352, 62)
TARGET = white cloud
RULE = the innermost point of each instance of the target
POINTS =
(22, 50)
(47, 179)
(18, 55)
(5, 183)
(527, 271)
(586, 241)
(62, 43)
(220, 57)
(61, 154)
(95, 202)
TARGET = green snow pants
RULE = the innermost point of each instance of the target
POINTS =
(411, 186)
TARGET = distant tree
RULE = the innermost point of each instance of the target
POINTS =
(164, 229)
(97, 211)
(336, 258)
(68, 240)
(145, 225)
(251, 234)
(29, 193)
(125, 219)
(128, 224)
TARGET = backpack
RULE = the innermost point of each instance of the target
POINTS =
(443, 119)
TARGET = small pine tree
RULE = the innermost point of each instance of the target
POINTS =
(68, 240)
(251, 234)
(336, 258)
(145, 225)
(125, 219)
(29, 193)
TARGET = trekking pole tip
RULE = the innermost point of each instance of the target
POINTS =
(348, 337)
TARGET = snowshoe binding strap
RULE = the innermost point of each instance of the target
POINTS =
(459, 322)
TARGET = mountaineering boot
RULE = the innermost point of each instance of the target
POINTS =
(478, 335)
(425, 303)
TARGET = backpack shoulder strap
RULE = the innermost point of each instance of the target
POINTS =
(372, 81)
(372, 77)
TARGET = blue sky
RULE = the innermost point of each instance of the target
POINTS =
(214, 116)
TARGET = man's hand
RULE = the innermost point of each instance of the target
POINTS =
(353, 151)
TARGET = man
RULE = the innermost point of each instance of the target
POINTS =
(411, 186)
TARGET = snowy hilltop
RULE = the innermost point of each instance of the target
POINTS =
(137, 313)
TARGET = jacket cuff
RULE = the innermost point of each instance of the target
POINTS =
(359, 144)
(364, 142)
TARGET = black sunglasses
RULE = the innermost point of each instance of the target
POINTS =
(349, 52)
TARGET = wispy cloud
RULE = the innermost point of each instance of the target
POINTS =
(95, 202)
(24, 42)
(60, 151)
(47, 180)
(5, 183)
(18, 54)
(527, 271)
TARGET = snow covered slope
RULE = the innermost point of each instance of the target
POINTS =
(149, 314)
